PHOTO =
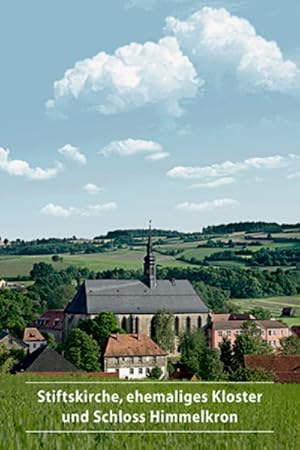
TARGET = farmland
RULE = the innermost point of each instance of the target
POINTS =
(277, 413)
(274, 305)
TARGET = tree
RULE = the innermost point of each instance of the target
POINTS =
(7, 361)
(101, 327)
(82, 350)
(211, 366)
(261, 313)
(226, 355)
(162, 330)
(51, 342)
(61, 296)
(249, 342)
(155, 373)
(251, 374)
(16, 311)
(192, 345)
(290, 345)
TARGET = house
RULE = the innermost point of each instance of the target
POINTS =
(44, 360)
(33, 338)
(133, 356)
(271, 331)
(287, 312)
(52, 322)
(135, 302)
(10, 342)
(2, 284)
(285, 367)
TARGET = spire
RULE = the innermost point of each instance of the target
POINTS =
(149, 262)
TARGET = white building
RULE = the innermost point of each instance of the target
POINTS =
(133, 356)
(33, 338)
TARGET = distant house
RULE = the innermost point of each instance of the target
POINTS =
(33, 338)
(271, 331)
(285, 367)
(11, 343)
(133, 356)
(2, 284)
(44, 360)
(52, 322)
(287, 312)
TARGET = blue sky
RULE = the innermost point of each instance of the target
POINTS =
(182, 111)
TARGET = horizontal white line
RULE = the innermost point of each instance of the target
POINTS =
(141, 383)
(151, 431)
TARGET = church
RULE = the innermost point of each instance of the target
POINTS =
(135, 302)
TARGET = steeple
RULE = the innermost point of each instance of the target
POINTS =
(149, 263)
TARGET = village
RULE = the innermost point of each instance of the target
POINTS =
(162, 329)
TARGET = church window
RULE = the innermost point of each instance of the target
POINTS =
(176, 326)
(137, 325)
(199, 322)
(188, 324)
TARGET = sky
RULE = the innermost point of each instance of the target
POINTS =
(185, 112)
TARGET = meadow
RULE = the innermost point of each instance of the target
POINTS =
(274, 305)
(278, 413)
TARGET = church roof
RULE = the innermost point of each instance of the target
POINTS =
(135, 297)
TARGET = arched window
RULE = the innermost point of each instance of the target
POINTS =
(137, 325)
(188, 324)
(176, 326)
(199, 322)
(124, 324)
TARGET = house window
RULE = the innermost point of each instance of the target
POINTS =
(140, 359)
(176, 326)
(274, 343)
(228, 332)
(274, 332)
(154, 358)
(140, 370)
(33, 345)
(131, 371)
(220, 333)
(270, 332)
(281, 332)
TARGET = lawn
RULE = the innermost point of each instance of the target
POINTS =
(277, 413)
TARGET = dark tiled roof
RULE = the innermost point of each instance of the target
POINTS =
(286, 367)
(44, 359)
(132, 345)
(134, 297)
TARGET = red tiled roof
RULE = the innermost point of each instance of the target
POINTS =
(237, 324)
(132, 345)
(32, 334)
(286, 367)
(53, 319)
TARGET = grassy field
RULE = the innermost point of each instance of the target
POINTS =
(12, 266)
(273, 304)
(277, 413)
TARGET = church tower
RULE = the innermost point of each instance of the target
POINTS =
(149, 263)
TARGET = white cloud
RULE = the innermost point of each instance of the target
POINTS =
(213, 37)
(207, 206)
(214, 184)
(72, 153)
(227, 168)
(92, 188)
(129, 147)
(22, 168)
(135, 75)
(293, 175)
(91, 210)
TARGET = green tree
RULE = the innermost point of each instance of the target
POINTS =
(249, 342)
(261, 313)
(251, 374)
(226, 354)
(51, 342)
(61, 296)
(101, 327)
(155, 373)
(7, 360)
(82, 350)
(162, 330)
(16, 311)
(211, 366)
(192, 346)
(290, 345)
